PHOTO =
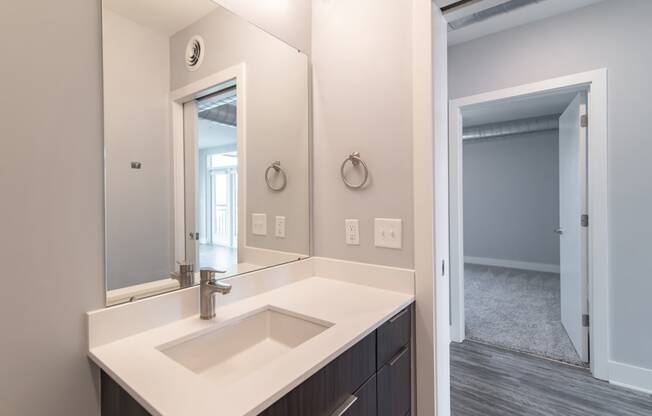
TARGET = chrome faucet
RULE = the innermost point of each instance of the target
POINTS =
(207, 287)
(185, 276)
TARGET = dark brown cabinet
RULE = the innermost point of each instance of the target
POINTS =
(372, 378)
(116, 401)
(394, 393)
(363, 402)
(393, 336)
(330, 388)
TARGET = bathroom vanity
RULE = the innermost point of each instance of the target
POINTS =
(371, 378)
(326, 341)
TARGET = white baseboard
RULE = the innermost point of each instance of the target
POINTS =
(512, 264)
(631, 377)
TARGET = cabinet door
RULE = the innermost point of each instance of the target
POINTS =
(360, 403)
(394, 390)
(115, 401)
(325, 391)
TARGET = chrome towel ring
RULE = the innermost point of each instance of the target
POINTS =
(356, 161)
(276, 166)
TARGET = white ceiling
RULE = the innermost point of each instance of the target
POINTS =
(517, 108)
(164, 16)
(521, 16)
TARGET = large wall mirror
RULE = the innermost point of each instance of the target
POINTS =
(206, 129)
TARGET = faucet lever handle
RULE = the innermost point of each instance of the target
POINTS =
(206, 274)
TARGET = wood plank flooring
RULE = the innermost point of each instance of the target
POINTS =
(489, 381)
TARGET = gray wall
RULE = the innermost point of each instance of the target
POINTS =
(616, 35)
(136, 128)
(51, 215)
(511, 197)
(362, 83)
(277, 116)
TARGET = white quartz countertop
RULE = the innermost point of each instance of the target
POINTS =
(165, 387)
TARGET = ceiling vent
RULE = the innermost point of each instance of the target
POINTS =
(194, 53)
(490, 12)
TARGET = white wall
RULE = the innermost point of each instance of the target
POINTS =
(511, 198)
(362, 101)
(136, 126)
(614, 34)
(51, 214)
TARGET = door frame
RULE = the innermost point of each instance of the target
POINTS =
(178, 98)
(595, 84)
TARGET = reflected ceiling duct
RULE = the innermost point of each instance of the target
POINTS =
(223, 114)
(490, 12)
(219, 107)
(510, 128)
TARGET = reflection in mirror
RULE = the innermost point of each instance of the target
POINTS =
(206, 146)
(211, 171)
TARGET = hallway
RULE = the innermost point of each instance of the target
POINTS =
(489, 381)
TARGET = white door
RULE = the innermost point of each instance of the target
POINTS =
(190, 140)
(572, 234)
(221, 210)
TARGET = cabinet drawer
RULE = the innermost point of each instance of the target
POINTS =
(326, 390)
(393, 335)
(360, 403)
(394, 385)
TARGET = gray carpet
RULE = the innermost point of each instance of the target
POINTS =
(516, 309)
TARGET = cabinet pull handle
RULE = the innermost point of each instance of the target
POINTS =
(398, 315)
(345, 406)
(397, 356)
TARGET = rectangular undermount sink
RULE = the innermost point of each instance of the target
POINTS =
(245, 344)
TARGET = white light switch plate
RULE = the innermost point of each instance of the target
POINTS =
(279, 228)
(388, 232)
(352, 232)
(259, 224)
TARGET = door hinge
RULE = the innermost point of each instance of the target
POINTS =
(584, 120)
(584, 220)
(585, 321)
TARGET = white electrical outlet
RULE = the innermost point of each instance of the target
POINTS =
(259, 224)
(352, 232)
(388, 232)
(279, 227)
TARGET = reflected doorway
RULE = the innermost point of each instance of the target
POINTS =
(221, 219)
(211, 149)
